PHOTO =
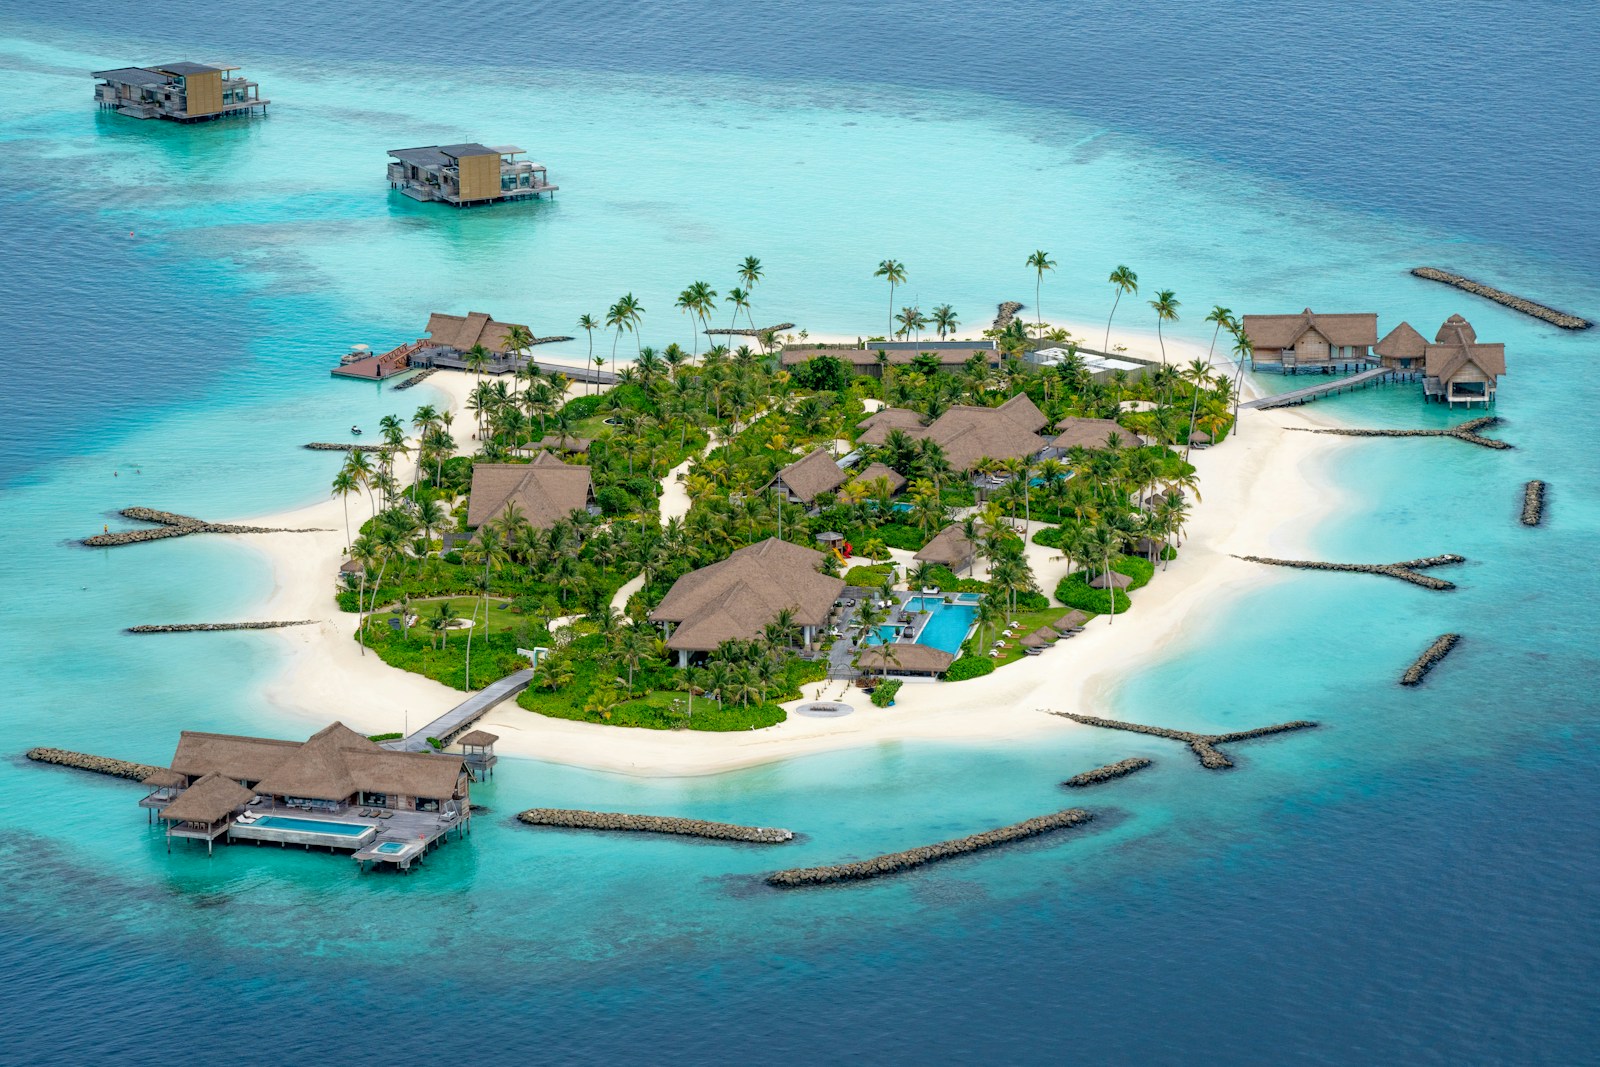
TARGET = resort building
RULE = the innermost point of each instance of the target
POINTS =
(1459, 370)
(863, 358)
(904, 658)
(805, 479)
(949, 548)
(870, 475)
(1402, 349)
(465, 175)
(1101, 368)
(1074, 432)
(968, 435)
(735, 600)
(336, 790)
(1320, 342)
(182, 92)
(544, 491)
(450, 339)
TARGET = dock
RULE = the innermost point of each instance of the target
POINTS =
(454, 722)
(1317, 392)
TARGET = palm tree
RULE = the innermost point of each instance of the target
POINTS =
(1222, 317)
(633, 311)
(477, 358)
(944, 320)
(1098, 543)
(1197, 373)
(345, 483)
(1040, 261)
(1242, 348)
(739, 299)
(895, 273)
(1166, 309)
(910, 320)
(588, 325)
(616, 319)
(750, 274)
(518, 338)
(431, 514)
(1124, 281)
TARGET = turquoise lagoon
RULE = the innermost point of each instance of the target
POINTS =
(1414, 860)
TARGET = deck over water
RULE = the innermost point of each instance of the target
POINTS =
(1317, 392)
(464, 714)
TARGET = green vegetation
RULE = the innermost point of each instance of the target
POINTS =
(385, 737)
(1075, 592)
(883, 693)
(868, 577)
(969, 667)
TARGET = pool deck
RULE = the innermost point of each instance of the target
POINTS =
(419, 831)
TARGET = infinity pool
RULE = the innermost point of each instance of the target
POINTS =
(950, 622)
(310, 826)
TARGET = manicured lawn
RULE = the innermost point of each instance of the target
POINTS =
(1028, 621)
(501, 618)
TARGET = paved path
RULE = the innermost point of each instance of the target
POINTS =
(626, 590)
(464, 714)
(1317, 392)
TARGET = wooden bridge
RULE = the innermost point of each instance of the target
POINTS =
(455, 721)
(1317, 392)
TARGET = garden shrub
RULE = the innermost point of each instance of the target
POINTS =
(867, 577)
(883, 696)
(969, 667)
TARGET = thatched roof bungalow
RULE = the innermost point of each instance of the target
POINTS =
(1402, 348)
(1312, 340)
(948, 548)
(904, 658)
(545, 490)
(1108, 579)
(1458, 369)
(808, 478)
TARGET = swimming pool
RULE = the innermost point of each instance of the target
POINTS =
(310, 826)
(389, 848)
(950, 622)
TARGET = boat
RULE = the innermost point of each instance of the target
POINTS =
(356, 354)
(356, 430)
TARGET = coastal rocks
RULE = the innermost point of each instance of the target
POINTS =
(171, 524)
(1406, 570)
(1429, 659)
(421, 376)
(653, 824)
(337, 446)
(1005, 313)
(1467, 431)
(747, 332)
(1105, 774)
(1202, 745)
(114, 768)
(549, 340)
(1500, 296)
(1533, 503)
(895, 862)
(211, 627)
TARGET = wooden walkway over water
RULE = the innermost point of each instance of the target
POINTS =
(464, 714)
(1317, 392)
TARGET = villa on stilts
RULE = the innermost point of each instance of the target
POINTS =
(179, 92)
(1310, 342)
(1457, 369)
(337, 791)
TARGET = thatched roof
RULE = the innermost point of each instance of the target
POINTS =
(209, 800)
(873, 471)
(737, 598)
(1200, 437)
(334, 763)
(965, 432)
(462, 332)
(905, 657)
(1457, 348)
(1076, 432)
(547, 490)
(1108, 578)
(561, 443)
(810, 476)
(478, 739)
(1044, 635)
(1271, 332)
(1456, 330)
(1402, 342)
(1071, 620)
(875, 428)
(949, 548)
(161, 778)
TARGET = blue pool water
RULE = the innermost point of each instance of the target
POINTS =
(391, 847)
(949, 625)
(286, 822)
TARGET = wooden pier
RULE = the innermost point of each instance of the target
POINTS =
(454, 722)
(1317, 392)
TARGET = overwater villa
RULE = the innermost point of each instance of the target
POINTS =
(466, 175)
(336, 790)
(182, 92)
(1402, 350)
(1309, 341)
(802, 481)
(545, 491)
(862, 358)
(967, 434)
(450, 340)
(735, 599)
(1457, 369)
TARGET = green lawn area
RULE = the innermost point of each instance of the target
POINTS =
(658, 709)
(1029, 621)
(501, 618)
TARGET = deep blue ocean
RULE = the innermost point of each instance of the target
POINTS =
(1413, 882)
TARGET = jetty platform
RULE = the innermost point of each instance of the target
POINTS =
(454, 722)
(1317, 392)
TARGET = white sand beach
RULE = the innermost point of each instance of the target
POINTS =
(1260, 495)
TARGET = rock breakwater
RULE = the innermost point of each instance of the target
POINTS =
(1429, 659)
(1500, 296)
(895, 862)
(1533, 503)
(1405, 570)
(1204, 746)
(340, 446)
(421, 376)
(1467, 431)
(113, 768)
(211, 627)
(1005, 312)
(745, 331)
(1119, 769)
(653, 824)
(171, 524)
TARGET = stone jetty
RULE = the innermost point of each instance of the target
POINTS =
(340, 446)
(1467, 431)
(1203, 746)
(653, 824)
(212, 627)
(171, 524)
(1500, 296)
(1533, 503)
(1429, 659)
(745, 331)
(1405, 570)
(114, 768)
(895, 862)
(1119, 769)
(1005, 313)
(421, 376)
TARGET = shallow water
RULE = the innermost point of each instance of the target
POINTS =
(1408, 881)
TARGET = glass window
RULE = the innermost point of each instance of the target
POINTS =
(425, 804)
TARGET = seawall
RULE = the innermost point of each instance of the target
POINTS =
(1533, 503)
(113, 768)
(653, 824)
(213, 627)
(1119, 769)
(1406, 570)
(1429, 659)
(1500, 296)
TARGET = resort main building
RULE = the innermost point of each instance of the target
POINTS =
(182, 92)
